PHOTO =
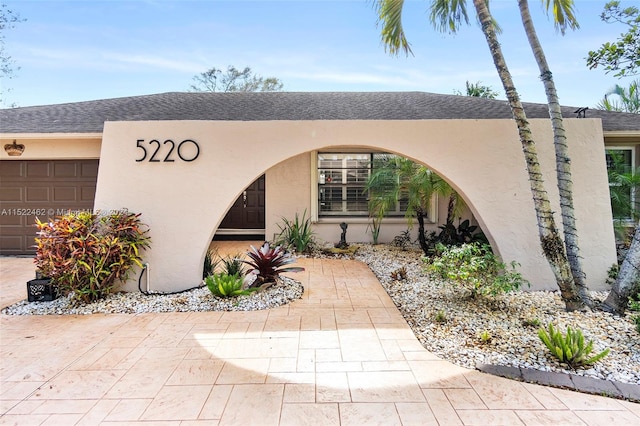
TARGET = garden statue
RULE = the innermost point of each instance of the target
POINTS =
(343, 237)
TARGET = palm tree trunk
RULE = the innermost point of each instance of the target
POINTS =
(552, 245)
(422, 239)
(628, 278)
(563, 162)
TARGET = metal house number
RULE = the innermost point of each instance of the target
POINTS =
(187, 150)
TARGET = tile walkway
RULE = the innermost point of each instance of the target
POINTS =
(343, 355)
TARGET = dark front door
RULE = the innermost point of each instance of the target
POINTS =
(247, 213)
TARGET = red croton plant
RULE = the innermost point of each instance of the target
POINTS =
(89, 254)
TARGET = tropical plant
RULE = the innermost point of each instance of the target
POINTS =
(627, 99)
(564, 18)
(403, 240)
(474, 268)
(296, 233)
(478, 90)
(267, 263)
(450, 235)
(210, 263)
(224, 285)
(621, 56)
(397, 179)
(447, 15)
(628, 279)
(88, 254)
(233, 265)
(570, 349)
(624, 189)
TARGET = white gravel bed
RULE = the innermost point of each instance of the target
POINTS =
(197, 300)
(449, 324)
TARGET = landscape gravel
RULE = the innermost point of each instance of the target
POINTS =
(445, 320)
(450, 324)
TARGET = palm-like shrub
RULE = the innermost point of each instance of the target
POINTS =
(570, 349)
(267, 263)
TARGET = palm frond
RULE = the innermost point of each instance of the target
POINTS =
(392, 33)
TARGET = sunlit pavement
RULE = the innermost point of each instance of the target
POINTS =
(343, 355)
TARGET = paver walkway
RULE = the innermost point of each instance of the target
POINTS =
(343, 355)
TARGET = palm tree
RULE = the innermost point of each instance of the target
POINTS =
(628, 99)
(628, 279)
(396, 179)
(447, 15)
(563, 18)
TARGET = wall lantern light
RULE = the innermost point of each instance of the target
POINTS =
(14, 149)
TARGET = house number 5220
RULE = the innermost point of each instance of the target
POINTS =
(187, 150)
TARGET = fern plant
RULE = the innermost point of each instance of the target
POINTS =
(570, 349)
(225, 285)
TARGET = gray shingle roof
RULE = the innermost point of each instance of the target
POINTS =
(89, 117)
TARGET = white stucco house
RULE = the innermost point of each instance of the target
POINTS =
(200, 166)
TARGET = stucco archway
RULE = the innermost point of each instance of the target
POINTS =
(481, 157)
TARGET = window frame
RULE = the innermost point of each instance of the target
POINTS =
(398, 216)
(632, 150)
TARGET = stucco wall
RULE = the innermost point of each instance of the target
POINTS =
(183, 202)
(57, 148)
(289, 191)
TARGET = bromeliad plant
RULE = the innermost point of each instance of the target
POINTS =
(570, 349)
(267, 263)
(88, 254)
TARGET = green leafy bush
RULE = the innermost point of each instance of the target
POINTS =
(571, 348)
(89, 254)
(267, 263)
(475, 268)
(296, 234)
(225, 285)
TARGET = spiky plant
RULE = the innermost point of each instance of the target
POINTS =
(570, 349)
(267, 263)
(225, 285)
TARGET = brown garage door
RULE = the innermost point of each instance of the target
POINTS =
(40, 188)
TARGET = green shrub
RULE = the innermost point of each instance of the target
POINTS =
(569, 349)
(267, 263)
(296, 234)
(90, 255)
(475, 268)
(225, 285)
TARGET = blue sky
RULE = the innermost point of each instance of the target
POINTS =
(84, 50)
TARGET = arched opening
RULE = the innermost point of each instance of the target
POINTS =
(481, 159)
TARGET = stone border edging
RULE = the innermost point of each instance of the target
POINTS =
(575, 382)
